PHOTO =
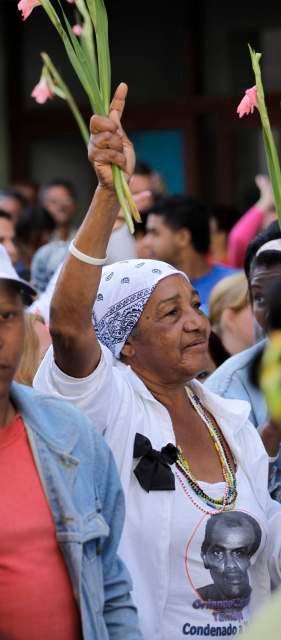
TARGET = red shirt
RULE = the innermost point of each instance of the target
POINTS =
(36, 596)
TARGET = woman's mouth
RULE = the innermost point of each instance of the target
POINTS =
(200, 345)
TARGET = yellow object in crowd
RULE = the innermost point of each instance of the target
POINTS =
(270, 376)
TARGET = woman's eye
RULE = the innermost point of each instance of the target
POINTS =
(197, 305)
(172, 312)
(259, 300)
(7, 315)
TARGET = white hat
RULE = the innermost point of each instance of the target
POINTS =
(271, 245)
(7, 272)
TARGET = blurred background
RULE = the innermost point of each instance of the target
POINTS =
(187, 66)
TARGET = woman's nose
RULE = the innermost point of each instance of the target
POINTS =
(195, 321)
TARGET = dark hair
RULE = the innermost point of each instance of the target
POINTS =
(217, 351)
(142, 169)
(225, 216)
(267, 258)
(32, 222)
(231, 519)
(13, 193)
(57, 182)
(183, 212)
(5, 215)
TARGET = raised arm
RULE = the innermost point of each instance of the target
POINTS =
(76, 348)
(253, 221)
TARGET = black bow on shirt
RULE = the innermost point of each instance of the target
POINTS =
(153, 470)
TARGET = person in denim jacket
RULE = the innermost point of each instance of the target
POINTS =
(61, 507)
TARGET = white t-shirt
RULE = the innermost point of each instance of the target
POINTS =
(210, 564)
(119, 406)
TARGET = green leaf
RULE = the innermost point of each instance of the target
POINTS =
(75, 62)
(117, 177)
(274, 173)
(86, 64)
(272, 158)
(87, 37)
(99, 17)
(96, 85)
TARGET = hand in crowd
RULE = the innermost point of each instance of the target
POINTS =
(109, 143)
(143, 200)
(266, 200)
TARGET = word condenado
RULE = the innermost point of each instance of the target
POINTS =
(229, 630)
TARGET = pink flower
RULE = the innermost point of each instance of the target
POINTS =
(42, 92)
(71, 1)
(248, 103)
(26, 6)
(77, 29)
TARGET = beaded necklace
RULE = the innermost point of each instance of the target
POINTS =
(227, 501)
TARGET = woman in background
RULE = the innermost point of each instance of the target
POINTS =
(230, 313)
(37, 339)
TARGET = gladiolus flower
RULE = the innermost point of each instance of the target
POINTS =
(77, 29)
(42, 92)
(248, 103)
(26, 6)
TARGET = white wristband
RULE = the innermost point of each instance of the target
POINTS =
(97, 262)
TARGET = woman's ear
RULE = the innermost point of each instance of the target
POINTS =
(128, 351)
(227, 319)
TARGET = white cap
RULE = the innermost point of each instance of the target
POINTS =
(271, 245)
(7, 272)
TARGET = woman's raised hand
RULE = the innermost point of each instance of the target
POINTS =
(108, 142)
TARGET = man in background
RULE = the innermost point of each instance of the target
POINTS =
(178, 232)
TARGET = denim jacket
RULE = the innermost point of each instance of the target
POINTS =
(231, 380)
(85, 496)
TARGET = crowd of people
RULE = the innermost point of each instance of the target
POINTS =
(141, 468)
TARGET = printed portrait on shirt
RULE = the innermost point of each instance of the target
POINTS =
(231, 539)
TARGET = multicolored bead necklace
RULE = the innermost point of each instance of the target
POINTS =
(227, 501)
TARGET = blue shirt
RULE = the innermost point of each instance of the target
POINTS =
(205, 284)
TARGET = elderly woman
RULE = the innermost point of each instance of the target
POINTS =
(200, 536)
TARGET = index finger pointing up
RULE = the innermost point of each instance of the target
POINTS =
(118, 103)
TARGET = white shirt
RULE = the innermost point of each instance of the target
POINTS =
(42, 304)
(119, 405)
(212, 590)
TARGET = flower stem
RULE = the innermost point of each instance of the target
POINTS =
(118, 183)
(269, 143)
(68, 97)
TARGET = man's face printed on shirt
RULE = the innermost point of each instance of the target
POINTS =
(226, 551)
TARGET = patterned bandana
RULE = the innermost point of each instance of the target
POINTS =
(124, 290)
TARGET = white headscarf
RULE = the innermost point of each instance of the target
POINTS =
(124, 290)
